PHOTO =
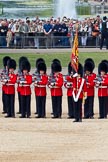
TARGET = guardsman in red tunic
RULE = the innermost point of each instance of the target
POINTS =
(25, 90)
(79, 91)
(34, 75)
(55, 84)
(9, 82)
(89, 77)
(40, 90)
(19, 76)
(106, 61)
(2, 75)
(68, 83)
(102, 85)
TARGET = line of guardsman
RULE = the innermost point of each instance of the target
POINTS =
(80, 87)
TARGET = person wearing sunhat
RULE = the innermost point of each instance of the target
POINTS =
(89, 76)
(2, 75)
(55, 86)
(79, 91)
(40, 90)
(68, 83)
(10, 81)
(25, 90)
(102, 85)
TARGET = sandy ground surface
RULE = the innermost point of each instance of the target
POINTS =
(53, 140)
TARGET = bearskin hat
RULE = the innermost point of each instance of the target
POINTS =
(11, 64)
(5, 60)
(42, 66)
(56, 60)
(103, 66)
(91, 61)
(88, 66)
(39, 60)
(21, 59)
(56, 67)
(70, 68)
(25, 65)
(80, 69)
(53, 62)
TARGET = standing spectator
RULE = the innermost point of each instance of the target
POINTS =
(83, 31)
(104, 32)
(23, 29)
(64, 33)
(57, 33)
(95, 33)
(3, 32)
(17, 37)
(40, 34)
(9, 37)
(47, 32)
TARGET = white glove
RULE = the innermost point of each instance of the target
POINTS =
(5, 80)
(22, 82)
(69, 84)
(85, 97)
(52, 84)
(75, 75)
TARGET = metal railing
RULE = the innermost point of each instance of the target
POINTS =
(39, 42)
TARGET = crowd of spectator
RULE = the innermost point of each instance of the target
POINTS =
(49, 33)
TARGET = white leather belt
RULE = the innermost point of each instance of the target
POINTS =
(22, 85)
(40, 86)
(10, 84)
(103, 86)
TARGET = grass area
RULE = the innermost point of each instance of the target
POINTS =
(64, 57)
(83, 10)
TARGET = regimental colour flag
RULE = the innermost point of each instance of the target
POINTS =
(74, 55)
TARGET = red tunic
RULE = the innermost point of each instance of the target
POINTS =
(69, 80)
(40, 87)
(103, 87)
(25, 88)
(10, 85)
(90, 84)
(57, 89)
(76, 85)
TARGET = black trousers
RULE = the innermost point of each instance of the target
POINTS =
(19, 100)
(70, 101)
(104, 36)
(25, 105)
(40, 106)
(57, 106)
(78, 109)
(10, 101)
(4, 102)
(103, 106)
(88, 107)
